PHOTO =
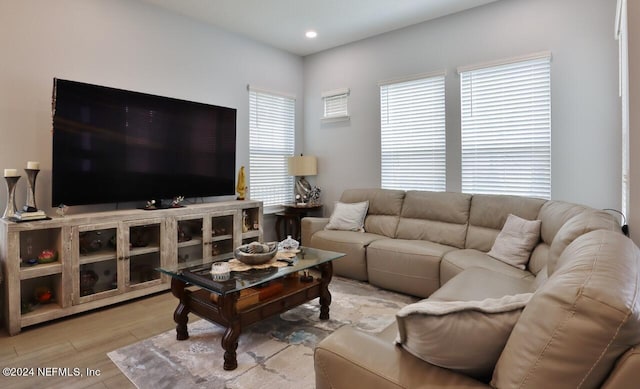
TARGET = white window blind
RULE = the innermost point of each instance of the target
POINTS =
(412, 121)
(506, 128)
(336, 104)
(271, 141)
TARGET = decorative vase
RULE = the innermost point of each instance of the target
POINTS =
(10, 210)
(31, 192)
(288, 244)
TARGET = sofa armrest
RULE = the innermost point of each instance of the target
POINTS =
(626, 373)
(352, 359)
(311, 225)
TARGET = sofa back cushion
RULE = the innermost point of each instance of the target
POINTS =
(580, 321)
(385, 206)
(554, 214)
(439, 217)
(539, 257)
(488, 214)
(580, 224)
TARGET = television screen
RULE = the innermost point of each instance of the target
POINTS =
(112, 145)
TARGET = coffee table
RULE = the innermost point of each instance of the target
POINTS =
(248, 296)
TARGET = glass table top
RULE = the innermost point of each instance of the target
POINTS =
(198, 273)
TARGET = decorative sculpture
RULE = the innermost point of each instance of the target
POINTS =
(241, 188)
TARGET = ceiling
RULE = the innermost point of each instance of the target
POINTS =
(283, 23)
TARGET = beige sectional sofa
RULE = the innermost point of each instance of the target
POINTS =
(571, 316)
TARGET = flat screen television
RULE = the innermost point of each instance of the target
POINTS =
(112, 145)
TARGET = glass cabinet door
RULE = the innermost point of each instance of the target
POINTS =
(97, 274)
(190, 239)
(222, 230)
(143, 254)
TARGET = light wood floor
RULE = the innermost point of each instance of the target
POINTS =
(82, 341)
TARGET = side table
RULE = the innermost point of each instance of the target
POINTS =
(292, 219)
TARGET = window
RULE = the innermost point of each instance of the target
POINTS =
(412, 134)
(622, 35)
(506, 127)
(336, 104)
(271, 141)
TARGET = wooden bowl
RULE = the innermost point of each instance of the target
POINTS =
(243, 254)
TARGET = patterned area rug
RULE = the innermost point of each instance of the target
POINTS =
(274, 353)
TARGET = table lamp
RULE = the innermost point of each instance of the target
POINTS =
(301, 166)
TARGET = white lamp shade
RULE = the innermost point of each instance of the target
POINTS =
(302, 165)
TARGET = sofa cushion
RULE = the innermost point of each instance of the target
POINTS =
(435, 216)
(454, 262)
(477, 283)
(580, 224)
(554, 214)
(385, 206)
(348, 216)
(488, 214)
(514, 243)
(407, 266)
(580, 321)
(349, 358)
(352, 244)
(465, 336)
(539, 258)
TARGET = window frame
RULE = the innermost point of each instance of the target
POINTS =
(514, 157)
(271, 118)
(335, 104)
(417, 158)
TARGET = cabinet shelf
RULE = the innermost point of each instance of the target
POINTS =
(192, 242)
(220, 238)
(40, 313)
(143, 250)
(250, 234)
(101, 256)
(42, 270)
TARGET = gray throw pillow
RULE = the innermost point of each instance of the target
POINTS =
(348, 216)
(515, 242)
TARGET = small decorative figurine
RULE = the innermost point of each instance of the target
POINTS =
(314, 195)
(241, 188)
(245, 221)
(62, 210)
(176, 202)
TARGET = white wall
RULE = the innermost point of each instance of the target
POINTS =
(586, 119)
(123, 44)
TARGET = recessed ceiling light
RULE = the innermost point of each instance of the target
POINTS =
(311, 34)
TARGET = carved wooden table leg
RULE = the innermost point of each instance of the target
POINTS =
(230, 344)
(326, 272)
(181, 314)
(231, 335)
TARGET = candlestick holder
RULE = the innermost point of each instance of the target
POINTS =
(31, 192)
(10, 210)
